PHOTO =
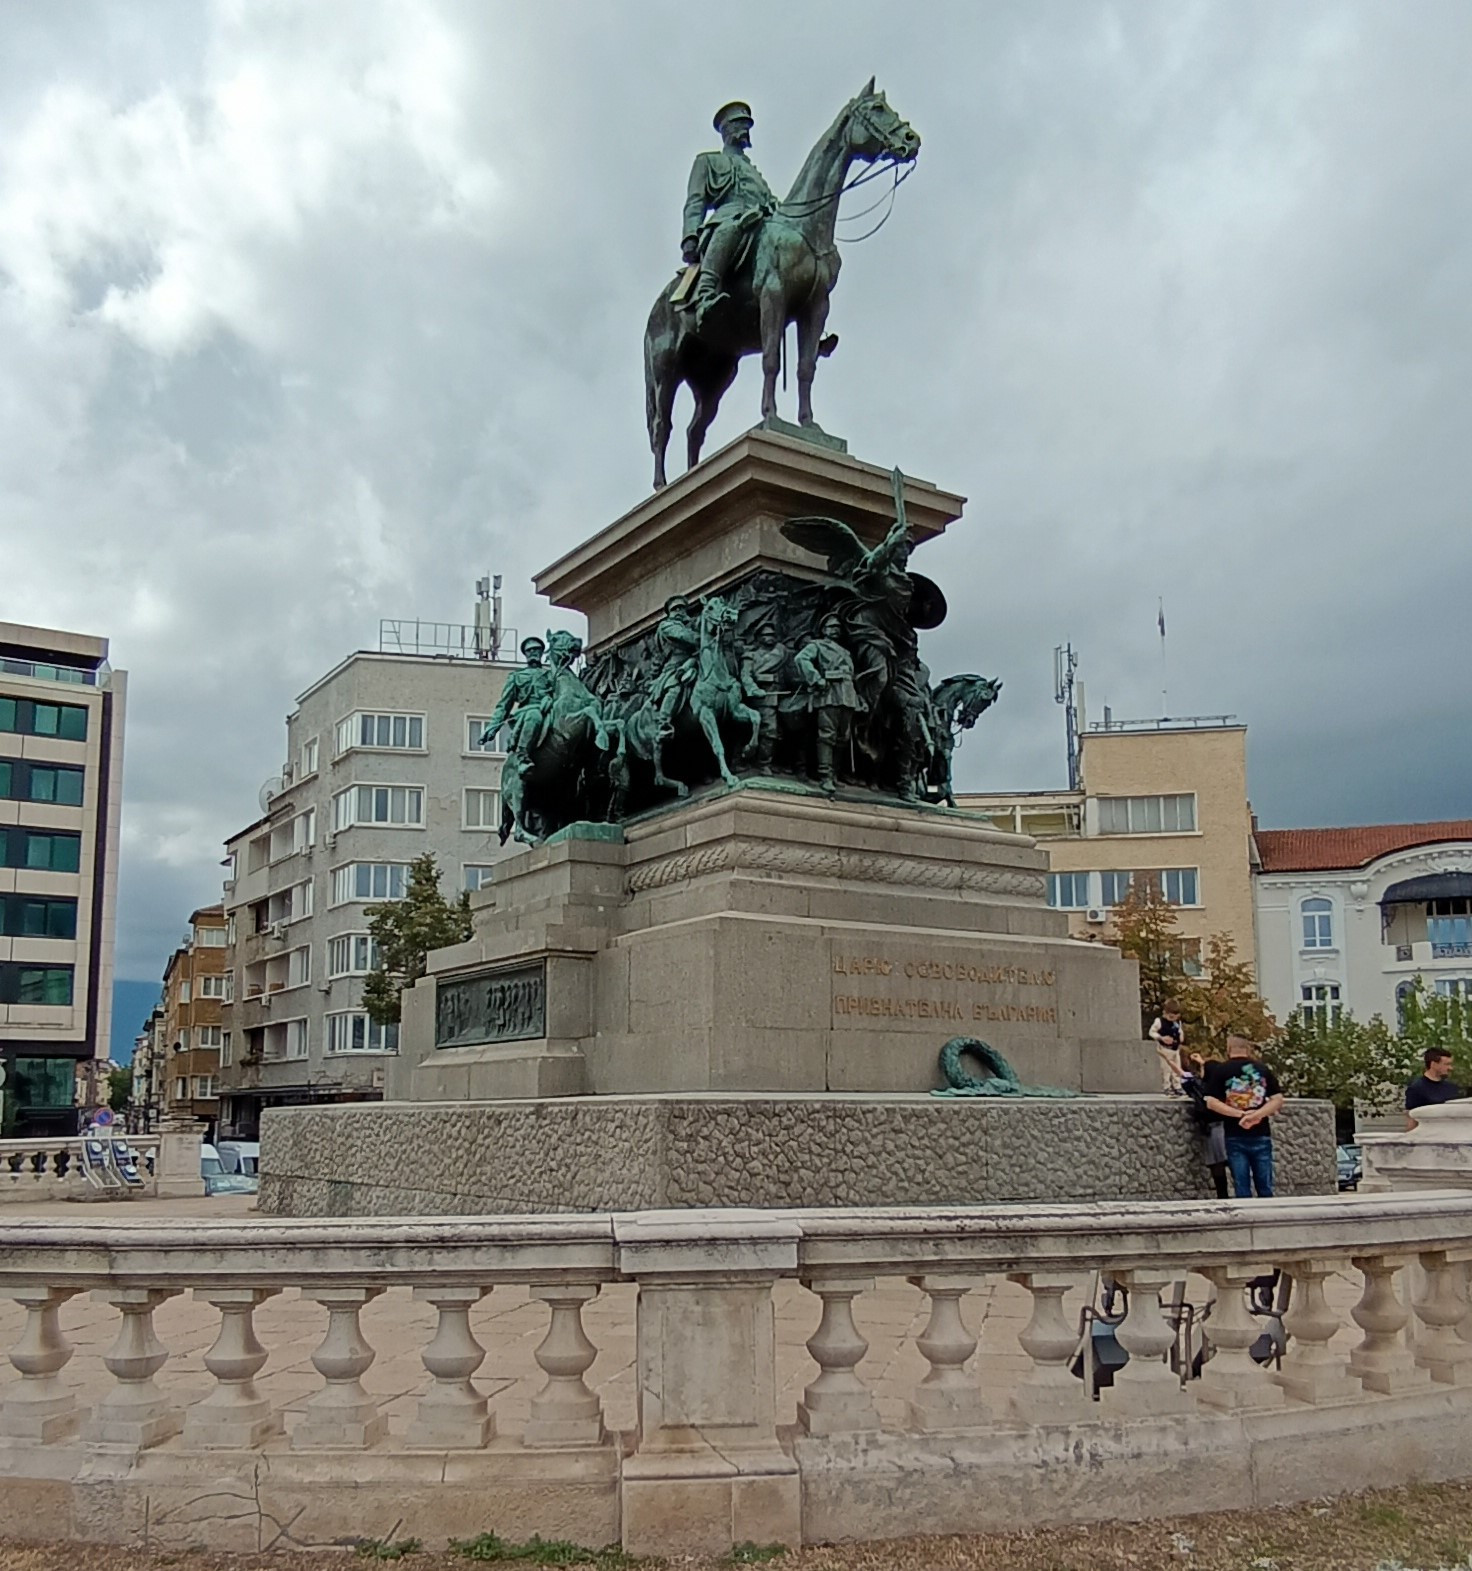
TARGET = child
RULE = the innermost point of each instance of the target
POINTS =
(1168, 1034)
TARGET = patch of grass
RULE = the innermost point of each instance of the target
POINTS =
(386, 1548)
(749, 1554)
(488, 1547)
(1377, 1515)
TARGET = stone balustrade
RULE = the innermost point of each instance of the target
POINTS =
(1372, 1389)
(50, 1167)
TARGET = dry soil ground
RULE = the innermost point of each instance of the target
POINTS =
(1424, 1529)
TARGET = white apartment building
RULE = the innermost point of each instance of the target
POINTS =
(1348, 918)
(61, 768)
(384, 763)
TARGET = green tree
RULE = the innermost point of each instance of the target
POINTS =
(406, 931)
(1144, 927)
(1429, 1019)
(119, 1089)
(1344, 1061)
(1224, 1000)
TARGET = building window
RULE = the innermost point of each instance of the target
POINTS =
(34, 916)
(477, 875)
(369, 881)
(475, 729)
(482, 808)
(225, 1052)
(184, 991)
(296, 1038)
(307, 759)
(32, 984)
(352, 954)
(209, 1036)
(212, 986)
(24, 717)
(1178, 885)
(1068, 891)
(1455, 987)
(204, 1087)
(58, 783)
(1147, 815)
(1319, 1002)
(1449, 927)
(363, 804)
(401, 732)
(1318, 923)
(299, 967)
(353, 1032)
(41, 851)
(181, 1089)
(210, 937)
(1114, 886)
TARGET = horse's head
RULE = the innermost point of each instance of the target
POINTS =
(967, 698)
(875, 131)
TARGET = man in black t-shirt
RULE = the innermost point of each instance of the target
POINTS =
(1433, 1087)
(1243, 1093)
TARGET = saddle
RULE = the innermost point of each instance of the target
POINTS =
(751, 225)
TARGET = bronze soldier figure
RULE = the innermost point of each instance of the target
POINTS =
(678, 640)
(726, 198)
(827, 670)
(530, 688)
(764, 682)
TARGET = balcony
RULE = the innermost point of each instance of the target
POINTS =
(1449, 951)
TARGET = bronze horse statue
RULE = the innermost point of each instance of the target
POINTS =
(787, 275)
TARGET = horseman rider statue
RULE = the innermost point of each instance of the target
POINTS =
(727, 199)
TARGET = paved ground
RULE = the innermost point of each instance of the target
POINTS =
(1426, 1529)
(509, 1327)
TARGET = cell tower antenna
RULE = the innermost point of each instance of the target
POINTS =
(1065, 663)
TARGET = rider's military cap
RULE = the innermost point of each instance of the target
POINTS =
(527, 644)
(727, 111)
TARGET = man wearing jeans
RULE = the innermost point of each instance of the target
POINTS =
(1243, 1093)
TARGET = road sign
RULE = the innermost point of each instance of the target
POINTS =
(102, 1117)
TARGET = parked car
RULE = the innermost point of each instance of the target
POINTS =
(1351, 1169)
(229, 1170)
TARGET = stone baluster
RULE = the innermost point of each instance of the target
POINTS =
(234, 1416)
(565, 1412)
(1441, 1309)
(1310, 1372)
(1382, 1362)
(135, 1413)
(1231, 1379)
(837, 1401)
(341, 1416)
(947, 1398)
(452, 1414)
(1145, 1384)
(1048, 1393)
(39, 1406)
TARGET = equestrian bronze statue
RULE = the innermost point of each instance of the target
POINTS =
(754, 265)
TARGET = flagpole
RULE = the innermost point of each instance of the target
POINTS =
(1160, 622)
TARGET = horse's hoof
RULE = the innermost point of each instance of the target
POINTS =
(681, 789)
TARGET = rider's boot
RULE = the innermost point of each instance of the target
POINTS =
(708, 296)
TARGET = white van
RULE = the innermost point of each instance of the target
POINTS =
(241, 1156)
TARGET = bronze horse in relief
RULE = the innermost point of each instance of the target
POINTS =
(787, 275)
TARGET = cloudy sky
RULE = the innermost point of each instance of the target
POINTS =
(311, 312)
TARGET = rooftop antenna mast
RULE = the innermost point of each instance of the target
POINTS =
(488, 625)
(1068, 693)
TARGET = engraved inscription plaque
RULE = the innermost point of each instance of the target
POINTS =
(509, 1005)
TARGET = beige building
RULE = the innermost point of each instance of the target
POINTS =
(196, 988)
(1165, 799)
(384, 762)
(61, 762)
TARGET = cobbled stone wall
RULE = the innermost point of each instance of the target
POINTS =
(636, 1153)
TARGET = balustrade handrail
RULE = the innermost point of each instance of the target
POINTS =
(11, 1145)
(610, 1247)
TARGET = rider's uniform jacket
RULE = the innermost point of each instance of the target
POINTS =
(725, 185)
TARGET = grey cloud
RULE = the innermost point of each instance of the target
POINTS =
(1177, 295)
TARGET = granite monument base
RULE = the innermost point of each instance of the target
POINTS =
(630, 1153)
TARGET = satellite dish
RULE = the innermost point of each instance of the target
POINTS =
(273, 787)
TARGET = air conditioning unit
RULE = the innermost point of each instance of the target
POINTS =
(1096, 914)
(277, 930)
(1404, 952)
(264, 1000)
(324, 986)
(329, 838)
(377, 1081)
(227, 884)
